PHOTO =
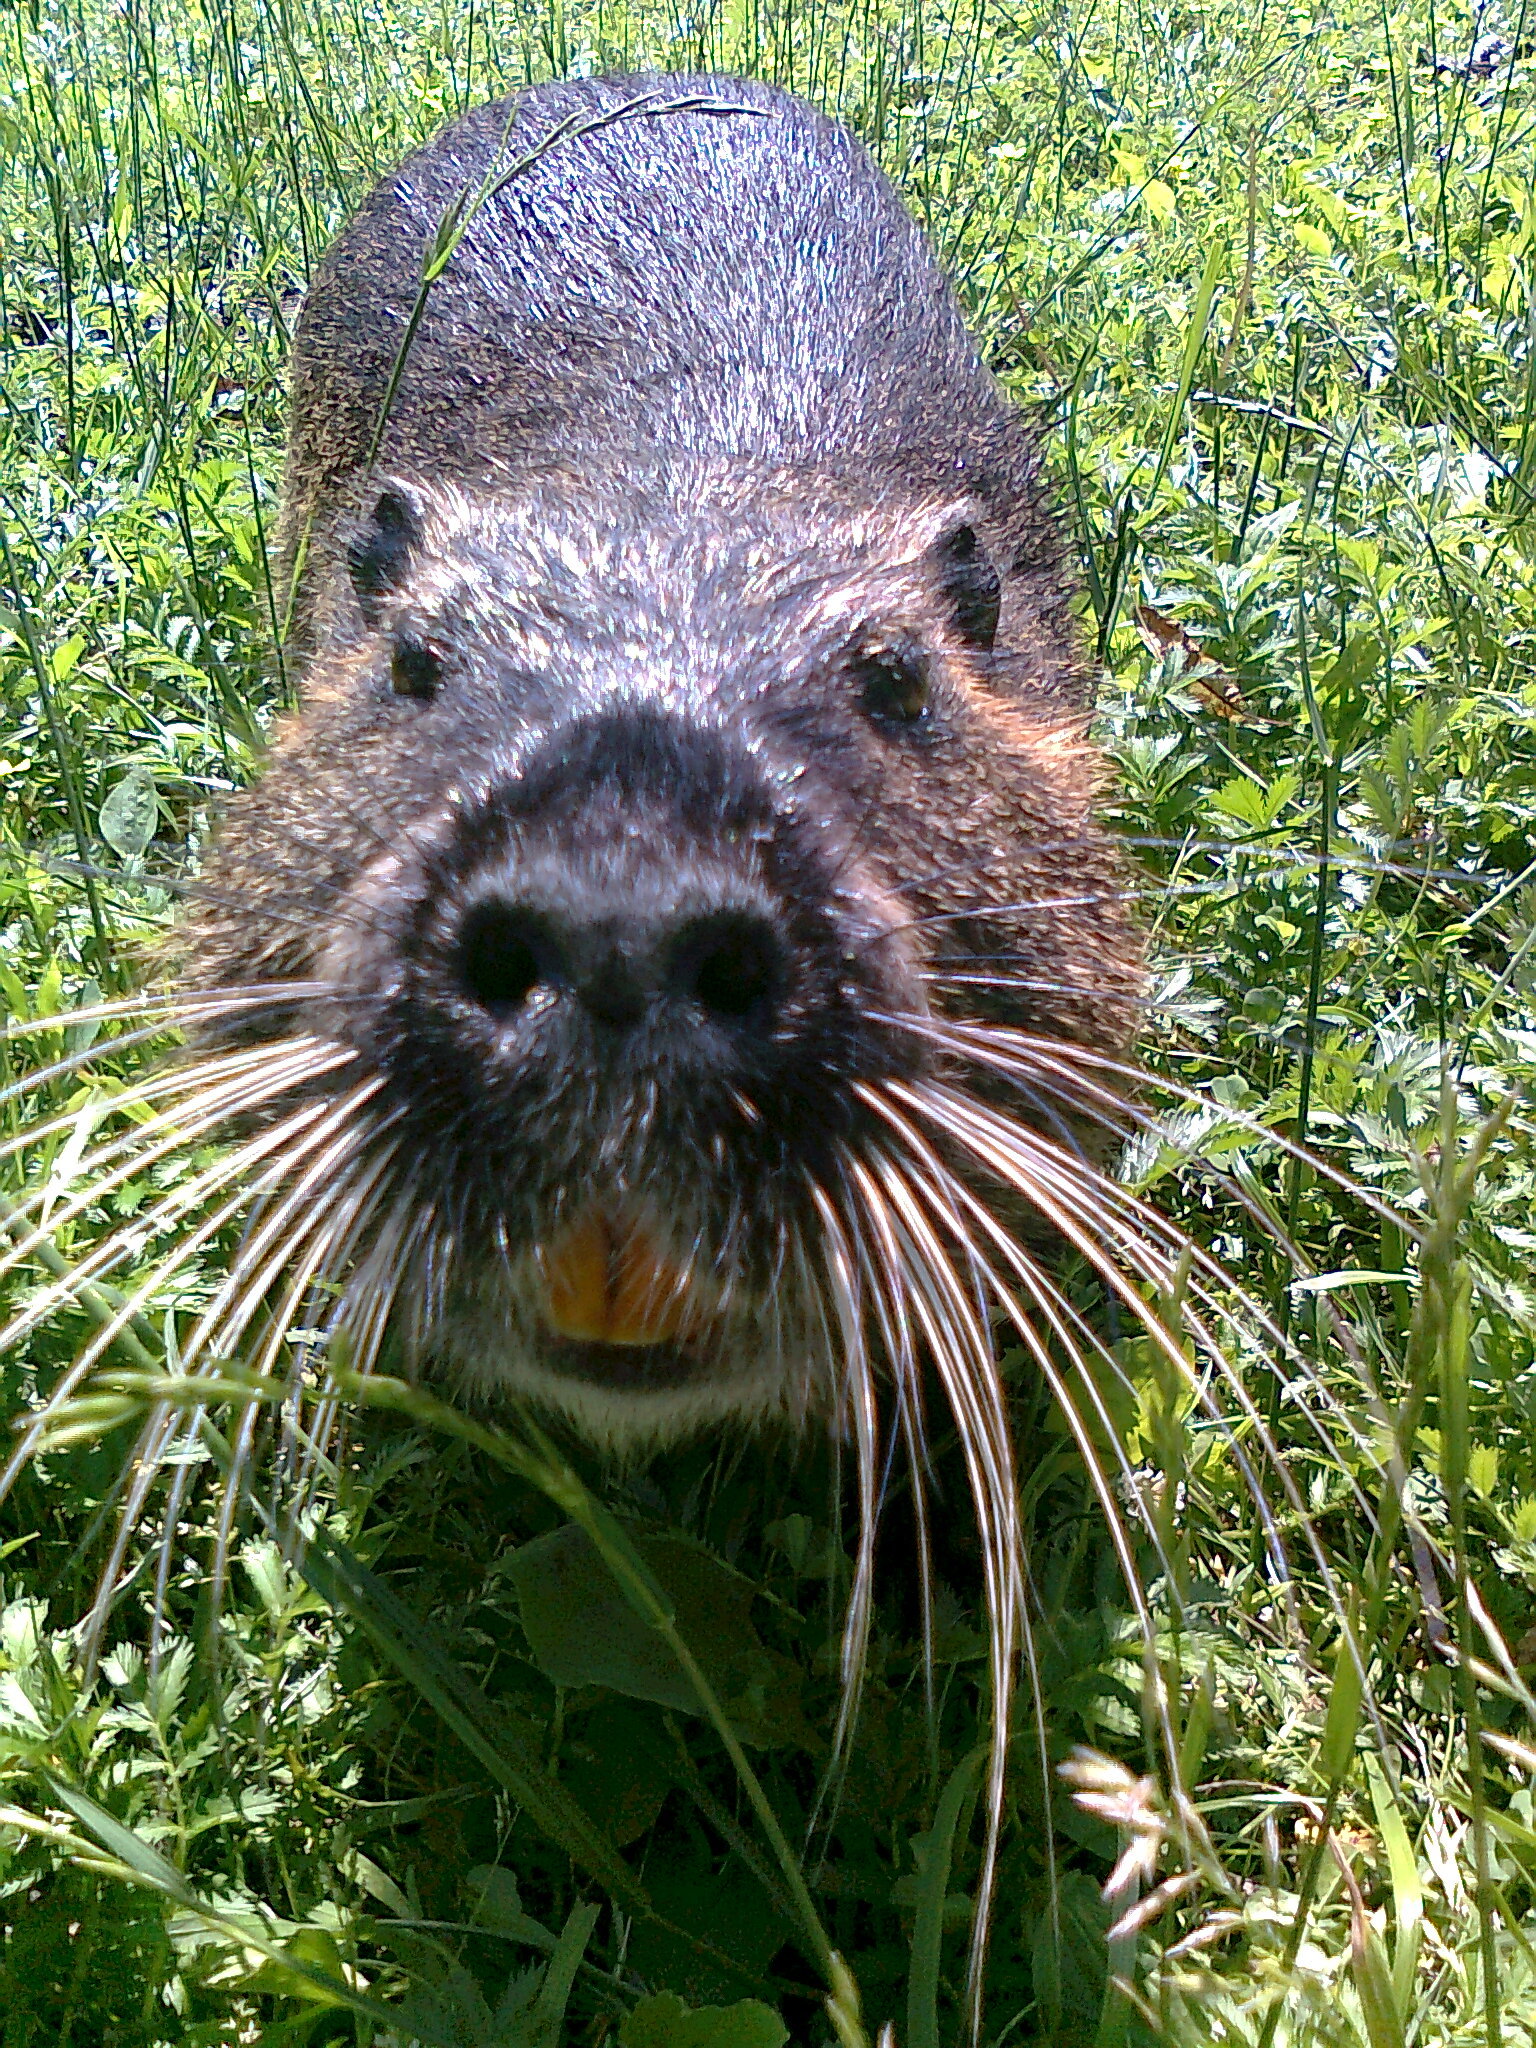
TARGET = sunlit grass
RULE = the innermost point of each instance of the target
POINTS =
(1268, 277)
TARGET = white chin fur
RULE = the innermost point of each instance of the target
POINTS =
(628, 1420)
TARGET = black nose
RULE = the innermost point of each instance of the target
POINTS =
(726, 964)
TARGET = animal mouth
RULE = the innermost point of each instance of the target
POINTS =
(609, 1286)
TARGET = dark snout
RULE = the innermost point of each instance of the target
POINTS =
(640, 980)
(620, 1029)
(692, 951)
(616, 903)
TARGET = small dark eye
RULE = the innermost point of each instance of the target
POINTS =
(895, 685)
(415, 671)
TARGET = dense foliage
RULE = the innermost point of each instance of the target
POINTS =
(1271, 276)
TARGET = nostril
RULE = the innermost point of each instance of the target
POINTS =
(504, 953)
(732, 964)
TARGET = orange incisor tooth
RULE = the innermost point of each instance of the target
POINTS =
(608, 1285)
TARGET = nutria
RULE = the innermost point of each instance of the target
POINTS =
(669, 969)
(688, 687)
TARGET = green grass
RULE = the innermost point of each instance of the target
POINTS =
(1272, 274)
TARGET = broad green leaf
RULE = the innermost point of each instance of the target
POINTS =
(64, 657)
(1483, 1469)
(665, 2022)
(718, 1928)
(316, 1951)
(130, 813)
(508, 1749)
(1340, 689)
(583, 1631)
(618, 1764)
(1255, 804)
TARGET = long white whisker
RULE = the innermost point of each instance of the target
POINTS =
(1149, 1225)
(1065, 1322)
(1120, 1116)
(252, 1081)
(163, 1417)
(1100, 1205)
(229, 1311)
(1004, 1149)
(884, 1288)
(1067, 1325)
(124, 1242)
(210, 1009)
(858, 1393)
(182, 1002)
(120, 1245)
(349, 1200)
(147, 1466)
(180, 1485)
(172, 1080)
(362, 1310)
(289, 1134)
(1016, 1053)
(959, 1344)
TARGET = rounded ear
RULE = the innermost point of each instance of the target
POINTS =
(971, 584)
(379, 556)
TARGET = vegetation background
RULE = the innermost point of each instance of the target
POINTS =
(1268, 272)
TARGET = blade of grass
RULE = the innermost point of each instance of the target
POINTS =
(932, 1891)
(135, 1861)
(534, 1458)
(508, 1747)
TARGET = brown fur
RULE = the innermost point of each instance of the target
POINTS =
(571, 520)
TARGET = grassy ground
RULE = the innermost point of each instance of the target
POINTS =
(1271, 273)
